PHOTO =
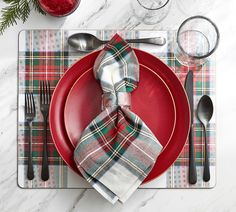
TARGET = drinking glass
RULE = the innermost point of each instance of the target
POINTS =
(197, 39)
(150, 11)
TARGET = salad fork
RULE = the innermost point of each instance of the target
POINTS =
(45, 98)
(29, 117)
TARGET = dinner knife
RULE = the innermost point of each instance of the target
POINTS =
(192, 165)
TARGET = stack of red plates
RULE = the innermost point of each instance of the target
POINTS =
(160, 101)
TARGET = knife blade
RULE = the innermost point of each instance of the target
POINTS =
(192, 164)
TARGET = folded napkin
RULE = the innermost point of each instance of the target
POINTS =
(116, 150)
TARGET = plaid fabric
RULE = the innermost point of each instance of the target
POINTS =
(117, 150)
(44, 54)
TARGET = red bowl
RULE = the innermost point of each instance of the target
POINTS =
(59, 8)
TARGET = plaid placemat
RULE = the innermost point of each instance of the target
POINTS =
(44, 54)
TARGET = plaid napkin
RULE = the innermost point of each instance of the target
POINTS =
(116, 150)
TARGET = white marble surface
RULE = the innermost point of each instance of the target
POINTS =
(113, 14)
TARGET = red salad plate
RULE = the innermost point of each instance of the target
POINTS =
(149, 64)
(152, 101)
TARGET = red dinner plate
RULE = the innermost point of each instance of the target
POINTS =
(151, 64)
(152, 101)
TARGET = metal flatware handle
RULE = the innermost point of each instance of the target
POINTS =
(30, 170)
(206, 171)
(45, 169)
(192, 164)
(160, 41)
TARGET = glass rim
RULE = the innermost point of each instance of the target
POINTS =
(216, 30)
(157, 8)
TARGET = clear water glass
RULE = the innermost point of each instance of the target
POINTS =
(197, 39)
(150, 11)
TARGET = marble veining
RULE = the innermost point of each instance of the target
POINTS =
(112, 14)
(77, 200)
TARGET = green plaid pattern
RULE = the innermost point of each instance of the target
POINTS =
(44, 54)
(117, 137)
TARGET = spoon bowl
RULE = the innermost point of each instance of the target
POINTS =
(84, 42)
(205, 110)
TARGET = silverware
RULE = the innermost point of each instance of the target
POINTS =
(192, 165)
(29, 117)
(45, 98)
(86, 42)
(204, 113)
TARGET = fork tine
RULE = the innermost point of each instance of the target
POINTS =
(33, 104)
(30, 103)
(48, 92)
(41, 93)
(26, 102)
(44, 99)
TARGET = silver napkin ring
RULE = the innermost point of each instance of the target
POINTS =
(122, 99)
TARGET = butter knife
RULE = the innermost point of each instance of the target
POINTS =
(192, 165)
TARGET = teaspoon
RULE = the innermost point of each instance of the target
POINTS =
(86, 42)
(204, 114)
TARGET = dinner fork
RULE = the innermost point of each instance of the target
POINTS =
(29, 117)
(45, 98)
